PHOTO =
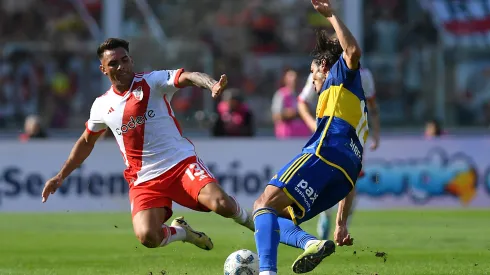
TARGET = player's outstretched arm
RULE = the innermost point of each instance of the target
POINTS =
(352, 51)
(341, 235)
(80, 151)
(204, 81)
(375, 122)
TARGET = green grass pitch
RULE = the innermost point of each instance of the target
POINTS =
(415, 242)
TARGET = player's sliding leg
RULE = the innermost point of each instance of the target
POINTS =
(267, 231)
(213, 197)
(335, 189)
(293, 235)
(151, 231)
(199, 239)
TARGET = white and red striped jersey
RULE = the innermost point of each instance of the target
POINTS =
(368, 83)
(308, 93)
(143, 124)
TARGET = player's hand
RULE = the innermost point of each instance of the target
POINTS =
(324, 7)
(51, 186)
(342, 236)
(375, 144)
(219, 86)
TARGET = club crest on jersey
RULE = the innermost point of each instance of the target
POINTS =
(138, 93)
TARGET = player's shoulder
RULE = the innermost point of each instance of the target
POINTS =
(142, 75)
(155, 73)
(341, 70)
(103, 98)
(155, 76)
(103, 95)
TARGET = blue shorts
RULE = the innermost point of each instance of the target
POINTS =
(312, 184)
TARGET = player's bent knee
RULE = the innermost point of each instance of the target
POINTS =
(273, 197)
(149, 238)
(258, 203)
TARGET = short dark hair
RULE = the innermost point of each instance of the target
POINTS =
(111, 44)
(326, 49)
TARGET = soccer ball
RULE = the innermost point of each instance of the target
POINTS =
(242, 262)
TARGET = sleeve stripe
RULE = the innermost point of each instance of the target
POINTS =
(93, 132)
(176, 79)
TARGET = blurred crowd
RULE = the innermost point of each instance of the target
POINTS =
(45, 69)
(50, 70)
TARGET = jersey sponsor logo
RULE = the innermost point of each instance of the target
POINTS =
(138, 93)
(354, 148)
(135, 122)
(308, 194)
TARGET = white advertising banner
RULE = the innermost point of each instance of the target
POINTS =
(402, 173)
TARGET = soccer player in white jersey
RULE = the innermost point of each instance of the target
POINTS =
(308, 97)
(162, 166)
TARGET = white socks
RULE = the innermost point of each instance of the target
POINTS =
(242, 217)
(267, 273)
(308, 243)
(172, 234)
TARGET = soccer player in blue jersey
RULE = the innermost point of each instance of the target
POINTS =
(325, 172)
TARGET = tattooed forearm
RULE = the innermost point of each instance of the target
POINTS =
(201, 80)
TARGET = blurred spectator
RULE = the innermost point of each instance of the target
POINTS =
(263, 31)
(412, 79)
(7, 94)
(50, 69)
(433, 129)
(234, 117)
(287, 122)
(32, 129)
(387, 30)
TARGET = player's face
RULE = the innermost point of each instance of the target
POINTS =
(118, 66)
(430, 129)
(290, 78)
(320, 73)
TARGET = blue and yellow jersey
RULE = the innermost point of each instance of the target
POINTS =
(342, 125)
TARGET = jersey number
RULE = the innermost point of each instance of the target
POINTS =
(362, 126)
(194, 171)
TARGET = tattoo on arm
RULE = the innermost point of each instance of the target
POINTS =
(201, 80)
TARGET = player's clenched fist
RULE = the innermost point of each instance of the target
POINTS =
(324, 7)
(51, 186)
(342, 236)
(219, 86)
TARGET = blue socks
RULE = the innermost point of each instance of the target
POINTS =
(293, 235)
(267, 236)
(269, 231)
